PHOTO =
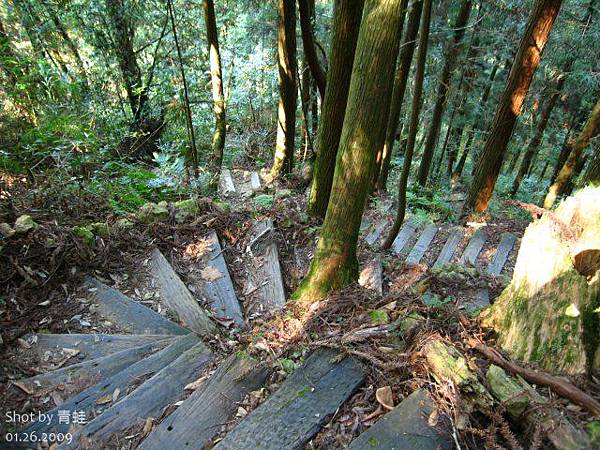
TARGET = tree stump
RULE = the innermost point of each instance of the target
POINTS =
(548, 313)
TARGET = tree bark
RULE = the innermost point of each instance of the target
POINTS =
(592, 173)
(417, 102)
(524, 66)
(72, 47)
(442, 93)
(407, 50)
(286, 114)
(305, 8)
(335, 262)
(346, 23)
(591, 129)
(216, 79)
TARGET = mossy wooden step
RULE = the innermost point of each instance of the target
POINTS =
(375, 234)
(149, 399)
(303, 403)
(406, 233)
(128, 314)
(501, 256)
(79, 376)
(371, 276)
(199, 419)
(226, 185)
(449, 248)
(96, 398)
(474, 248)
(406, 427)
(176, 296)
(416, 254)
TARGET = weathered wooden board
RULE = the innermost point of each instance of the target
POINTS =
(480, 298)
(371, 276)
(79, 376)
(91, 346)
(474, 247)
(128, 314)
(449, 248)
(375, 234)
(422, 244)
(406, 232)
(406, 427)
(501, 256)
(175, 296)
(99, 396)
(226, 183)
(200, 417)
(296, 412)
(149, 399)
(266, 270)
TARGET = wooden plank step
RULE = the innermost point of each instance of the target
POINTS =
(375, 234)
(371, 276)
(501, 256)
(406, 427)
(149, 399)
(226, 184)
(422, 244)
(176, 296)
(79, 376)
(255, 181)
(406, 232)
(449, 248)
(265, 270)
(473, 249)
(95, 398)
(199, 419)
(128, 314)
(217, 290)
(301, 406)
(90, 346)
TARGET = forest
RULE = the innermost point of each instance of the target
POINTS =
(311, 224)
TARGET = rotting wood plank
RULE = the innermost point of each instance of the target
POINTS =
(449, 248)
(374, 235)
(501, 256)
(406, 427)
(371, 276)
(302, 405)
(422, 244)
(226, 183)
(98, 396)
(176, 296)
(149, 399)
(406, 232)
(474, 247)
(128, 314)
(199, 419)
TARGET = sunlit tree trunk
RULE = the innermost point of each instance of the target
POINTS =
(335, 263)
(216, 79)
(591, 129)
(592, 173)
(346, 23)
(528, 57)
(443, 89)
(414, 122)
(306, 8)
(286, 113)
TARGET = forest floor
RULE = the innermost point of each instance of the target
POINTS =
(41, 274)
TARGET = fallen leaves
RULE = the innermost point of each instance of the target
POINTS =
(210, 274)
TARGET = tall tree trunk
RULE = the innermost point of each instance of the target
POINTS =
(414, 122)
(535, 142)
(565, 149)
(592, 173)
(306, 8)
(524, 66)
(216, 80)
(335, 263)
(407, 50)
(71, 45)
(346, 23)
(443, 89)
(286, 113)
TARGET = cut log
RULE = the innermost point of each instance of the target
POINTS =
(149, 399)
(371, 276)
(501, 256)
(375, 234)
(128, 314)
(449, 248)
(422, 244)
(96, 398)
(226, 184)
(176, 296)
(304, 402)
(406, 233)
(199, 419)
(406, 427)
(473, 249)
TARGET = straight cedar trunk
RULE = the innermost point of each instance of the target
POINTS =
(286, 113)
(592, 173)
(535, 142)
(524, 66)
(335, 263)
(306, 8)
(591, 129)
(443, 88)
(414, 123)
(575, 122)
(216, 80)
(407, 49)
(346, 24)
